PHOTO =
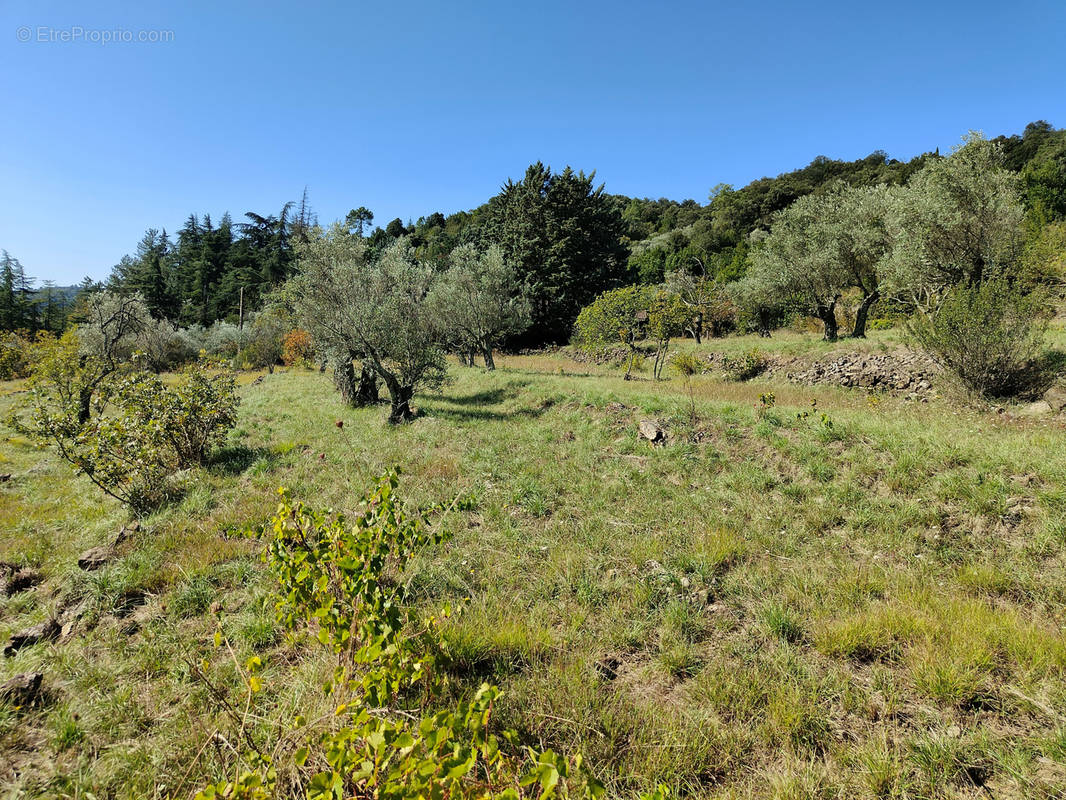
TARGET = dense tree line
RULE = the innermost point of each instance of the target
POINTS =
(26, 307)
(213, 272)
(566, 238)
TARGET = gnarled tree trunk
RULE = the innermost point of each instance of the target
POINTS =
(859, 330)
(486, 353)
(344, 380)
(356, 393)
(366, 392)
(764, 323)
(827, 314)
(400, 397)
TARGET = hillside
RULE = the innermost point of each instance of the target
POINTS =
(830, 594)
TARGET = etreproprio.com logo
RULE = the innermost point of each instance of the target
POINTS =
(46, 34)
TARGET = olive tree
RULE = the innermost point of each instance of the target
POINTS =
(796, 262)
(377, 312)
(479, 299)
(957, 222)
(112, 330)
(820, 247)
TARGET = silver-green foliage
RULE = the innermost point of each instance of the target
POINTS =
(481, 300)
(957, 222)
(820, 247)
(375, 311)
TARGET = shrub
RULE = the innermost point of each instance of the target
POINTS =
(688, 364)
(164, 345)
(990, 335)
(744, 366)
(618, 316)
(222, 339)
(19, 351)
(297, 349)
(264, 339)
(139, 433)
(194, 415)
(339, 580)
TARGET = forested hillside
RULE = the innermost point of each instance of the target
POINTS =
(568, 238)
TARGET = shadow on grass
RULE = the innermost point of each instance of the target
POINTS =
(470, 406)
(484, 415)
(237, 459)
(485, 397)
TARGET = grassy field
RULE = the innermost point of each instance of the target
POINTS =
(865, 600)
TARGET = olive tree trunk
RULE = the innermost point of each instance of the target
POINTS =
(827, 314)
(356, 393)
(764, 322)
(366, 392)
(859, 330)
(400, 397)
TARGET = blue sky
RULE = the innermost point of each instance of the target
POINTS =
(410, 108)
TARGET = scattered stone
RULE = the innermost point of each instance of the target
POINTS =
(22, 690)
(1055, 397)
(652, 431)
(903, 372)
(124, 533)
(1039, 408)
(257, 381)
(94, 558)
(69, 617)
(19, 582)
(5, 477)
(42, 632)
(617, 408)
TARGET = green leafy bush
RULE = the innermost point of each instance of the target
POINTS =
(745, 366)
(139, 432)
(18, 352)
(618, 316)
(193, 415)
(341, 581)
(688, 364)
(990, 335)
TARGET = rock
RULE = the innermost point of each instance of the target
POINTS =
(257, 381)
(902, 372)
(124, 533)
(69, 618)
(19, 582)
(94, 558)
(652, 431)
(1056, 398)
(1039, 408)
(5, 477)
(617, 408)
(22, 690)
(42, 632)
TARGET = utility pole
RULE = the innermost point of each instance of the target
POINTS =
(240, 312)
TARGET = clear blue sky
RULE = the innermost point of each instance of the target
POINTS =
(410, 108)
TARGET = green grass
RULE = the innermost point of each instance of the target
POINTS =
(761, 607)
